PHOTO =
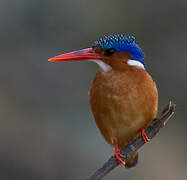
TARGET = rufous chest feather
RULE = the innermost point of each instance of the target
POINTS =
(123, 102)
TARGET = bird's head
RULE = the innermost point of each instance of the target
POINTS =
(110, 52)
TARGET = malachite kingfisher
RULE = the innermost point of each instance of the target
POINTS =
(123, 96)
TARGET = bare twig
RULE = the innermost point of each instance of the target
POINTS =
(151, 131)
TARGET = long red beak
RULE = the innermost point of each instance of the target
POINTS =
(84, 54)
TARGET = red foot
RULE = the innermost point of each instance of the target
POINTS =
(144, 136)
(118, 155)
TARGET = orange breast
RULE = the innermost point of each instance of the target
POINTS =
(122, 103)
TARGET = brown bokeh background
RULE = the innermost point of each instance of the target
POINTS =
(47, 131)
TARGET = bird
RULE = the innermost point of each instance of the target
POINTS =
(123, 96)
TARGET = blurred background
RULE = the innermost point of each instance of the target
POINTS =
(47, 131)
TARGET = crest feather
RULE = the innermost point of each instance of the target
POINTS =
(107, 42)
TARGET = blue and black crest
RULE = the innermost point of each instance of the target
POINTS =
(121, 43)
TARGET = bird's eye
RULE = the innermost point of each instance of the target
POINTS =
(109, 52)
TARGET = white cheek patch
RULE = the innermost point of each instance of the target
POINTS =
(105, 67)
(131, 62)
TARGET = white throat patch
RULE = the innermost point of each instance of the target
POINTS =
(131, 62)
(105, 67)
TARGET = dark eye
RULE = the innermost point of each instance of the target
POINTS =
(109, 52)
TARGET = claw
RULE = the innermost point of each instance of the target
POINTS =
(144, 136)
(118, 155)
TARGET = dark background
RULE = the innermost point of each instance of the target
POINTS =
(47, 131)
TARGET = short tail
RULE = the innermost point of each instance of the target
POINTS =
(132, 161)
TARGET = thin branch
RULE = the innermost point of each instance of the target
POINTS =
(151, 131)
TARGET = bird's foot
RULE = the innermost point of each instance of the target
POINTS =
(144, 135)
(118, 155)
